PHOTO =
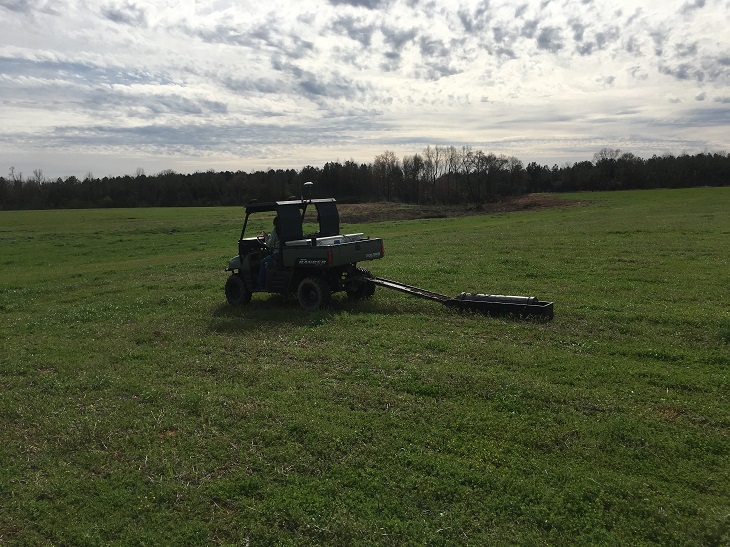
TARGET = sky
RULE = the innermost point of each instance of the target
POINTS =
(112, 87)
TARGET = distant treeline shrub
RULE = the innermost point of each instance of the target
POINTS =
(438, 175)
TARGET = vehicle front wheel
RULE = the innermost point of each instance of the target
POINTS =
(313, 293)
(236, 291)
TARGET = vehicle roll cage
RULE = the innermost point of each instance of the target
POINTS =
(291, 217)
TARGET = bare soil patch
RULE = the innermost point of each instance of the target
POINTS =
(357, 213)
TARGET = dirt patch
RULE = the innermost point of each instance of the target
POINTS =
(377, 212)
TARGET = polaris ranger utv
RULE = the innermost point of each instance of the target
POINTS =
(311, 265)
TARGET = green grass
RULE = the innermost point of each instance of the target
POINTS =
(138, 408)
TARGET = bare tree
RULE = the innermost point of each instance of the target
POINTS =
(433, 165)
(413, 167)
(481, 167)
(605, 161)
(15, 177)
(38, 177)
(468, 166)
(452, 162)
(387, 172)
(488, 167)
(606, 154)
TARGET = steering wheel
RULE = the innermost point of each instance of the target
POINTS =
(262, 240)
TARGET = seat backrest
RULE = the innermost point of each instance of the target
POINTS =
(290, 222)
(329, 219)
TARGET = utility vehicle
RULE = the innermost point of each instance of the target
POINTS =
(313, 265)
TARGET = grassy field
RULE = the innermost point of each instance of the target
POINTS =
(137, 408)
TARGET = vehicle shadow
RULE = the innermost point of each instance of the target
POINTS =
(276, 310)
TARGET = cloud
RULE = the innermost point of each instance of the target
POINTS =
(398, 38)
(638, 72)
(683, 71)
(437, 70)
(686, 50)
(466, 21)
(221, 34)
(321, 88)
(633, 46)
(658, 37)
(697, 68)
(20, 6)
(149, 106)
(476, 22)
(550, 39)
(125, 14)
(28, 7)
(606, 80)
(368, 4)
(529, 28)
(585, 49)
(437, 59)
(332, 87)
(502, 34)
(578, 30)
(690, 7)
(264, 36)
(356, 28)
(260, 85)
(84, 71)
(433, 47)
(708, 117)
(604, 38)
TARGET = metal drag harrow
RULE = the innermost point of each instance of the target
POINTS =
(488, 304)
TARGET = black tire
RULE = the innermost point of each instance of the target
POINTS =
(369, 289)
(361, 290)
(313, 293)
(237, 293)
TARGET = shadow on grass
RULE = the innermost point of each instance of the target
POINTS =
(277, 310)
(263, 312)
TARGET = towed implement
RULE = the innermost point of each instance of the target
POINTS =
(317, 264)
(489, 304)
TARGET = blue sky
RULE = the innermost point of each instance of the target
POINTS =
(112, 86)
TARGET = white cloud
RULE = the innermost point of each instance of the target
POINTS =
(245, 85)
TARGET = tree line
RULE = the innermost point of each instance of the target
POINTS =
(438, 175)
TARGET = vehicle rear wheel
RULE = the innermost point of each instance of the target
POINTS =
(236, 291)
(361, 289)
(313, 293)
